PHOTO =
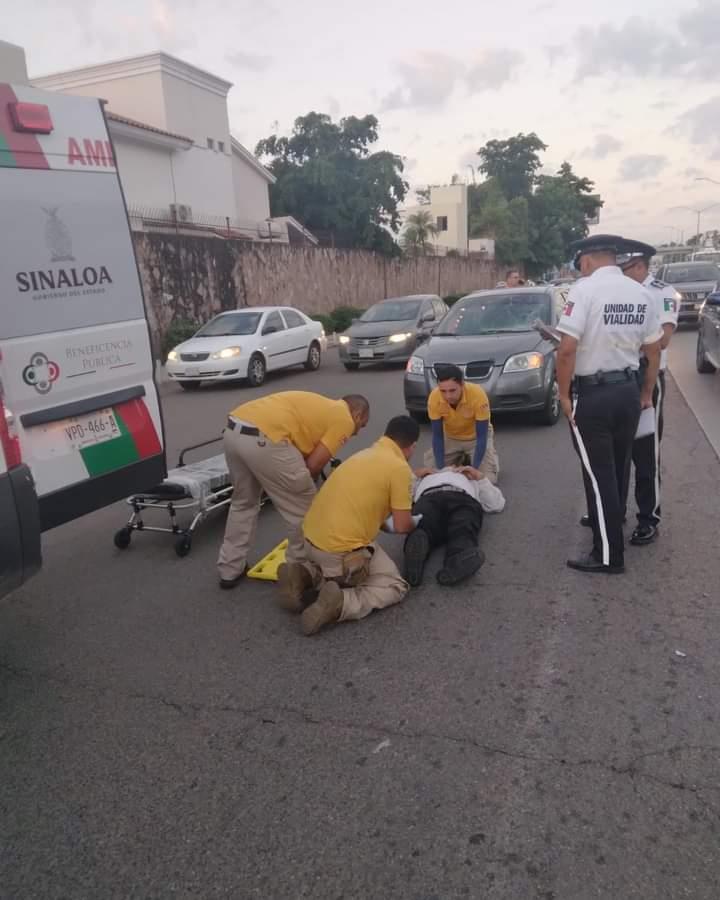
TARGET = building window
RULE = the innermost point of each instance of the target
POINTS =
(211, 144)
(221, 146)
(441, 223)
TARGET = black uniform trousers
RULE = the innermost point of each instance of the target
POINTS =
(606, 419)
(452, 518)
(646, 459)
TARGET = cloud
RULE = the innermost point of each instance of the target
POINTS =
(429, 79)
(425, 83)
(692, 172)
(604, 145)
(701, 126)
(642, 166)
(255, 62)
(493, 69)
(684, 49)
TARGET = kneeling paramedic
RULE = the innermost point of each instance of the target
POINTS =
(279, 444)
(452, 503)
(355, 575)
(461, 429)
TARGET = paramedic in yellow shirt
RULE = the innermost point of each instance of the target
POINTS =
(461, 428)
(369, 491)
(279, 444)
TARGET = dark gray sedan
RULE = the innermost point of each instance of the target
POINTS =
(390, 330)
(490, 336)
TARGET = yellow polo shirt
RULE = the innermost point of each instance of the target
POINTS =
(459, 423)
(301, 417)
(350, 507)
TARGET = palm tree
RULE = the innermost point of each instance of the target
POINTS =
(419, 229)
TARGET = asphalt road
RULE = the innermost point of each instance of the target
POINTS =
(702, 392)
(535, 734)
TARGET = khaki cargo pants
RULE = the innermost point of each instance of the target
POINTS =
(256, 464)
(369, 578)
(455, 451)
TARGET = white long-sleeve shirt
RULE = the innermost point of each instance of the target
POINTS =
(487, 494)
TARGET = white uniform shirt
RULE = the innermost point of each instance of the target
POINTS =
(667, 302)
(611, 316)
(487, 494)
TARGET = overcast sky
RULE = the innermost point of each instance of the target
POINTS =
(629, 94)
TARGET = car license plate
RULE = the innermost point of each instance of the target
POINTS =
(365, 353)
(75, 434)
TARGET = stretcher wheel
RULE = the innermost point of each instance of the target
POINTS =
(183, 545)
(122, 538)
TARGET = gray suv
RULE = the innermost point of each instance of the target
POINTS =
(694, 281)
(391, 330)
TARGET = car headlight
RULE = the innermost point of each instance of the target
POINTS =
(400, 338)
(344, 339)
(226, 353)
(172, 355)
(522, 362)
(415, 366)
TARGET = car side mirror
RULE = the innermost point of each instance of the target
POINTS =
(353, 321)
(428, 317)
(713, 299)
(269, 329)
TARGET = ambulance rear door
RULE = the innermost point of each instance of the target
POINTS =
(77, 365)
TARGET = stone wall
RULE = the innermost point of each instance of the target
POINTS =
(194, 278)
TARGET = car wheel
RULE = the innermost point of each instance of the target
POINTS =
(420, 417)
(189, 385)
(314, 357)
(256, 370)
(551, 412)
(352, 367)
(702, 363)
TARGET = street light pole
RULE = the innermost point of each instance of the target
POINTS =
(699, 212)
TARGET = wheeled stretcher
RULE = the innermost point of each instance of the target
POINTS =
(200, 487)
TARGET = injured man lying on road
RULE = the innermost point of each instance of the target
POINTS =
(451, 503)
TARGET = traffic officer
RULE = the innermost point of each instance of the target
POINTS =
(279, 444)
(354, 574)
(607, 319)
(646, 450)
(461, 428)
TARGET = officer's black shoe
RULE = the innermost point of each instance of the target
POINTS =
(590, 564)
(585, 521)
(460, 567)
(227, 584)
(417, 548)
(644, 534)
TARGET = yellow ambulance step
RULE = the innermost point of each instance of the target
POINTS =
(267, 568)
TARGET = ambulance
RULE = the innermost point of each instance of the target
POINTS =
(79, 407)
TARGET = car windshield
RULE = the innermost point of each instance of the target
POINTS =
(689, 272)
(496, 313)
(231, 323)
(391, 311)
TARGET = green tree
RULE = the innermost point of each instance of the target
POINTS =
(513, 163)
(328, 178)
(416, 239)
(492, 215)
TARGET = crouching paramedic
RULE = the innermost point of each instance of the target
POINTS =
(279, 444)
(461, 429)
(354, 574)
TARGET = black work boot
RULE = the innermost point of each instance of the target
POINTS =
(460, 566)
(417, 548)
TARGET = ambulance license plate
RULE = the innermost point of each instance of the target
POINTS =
(76, 433)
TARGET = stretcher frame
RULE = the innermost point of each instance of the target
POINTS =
(157, 500)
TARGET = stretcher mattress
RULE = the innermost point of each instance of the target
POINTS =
(196, 480)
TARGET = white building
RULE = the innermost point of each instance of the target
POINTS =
(177, 159)
(448, 209)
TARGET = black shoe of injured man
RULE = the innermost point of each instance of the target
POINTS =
(644, 534)
(591, 564)
(227, 584)
(293, 581)
(326, 609)
(460, 567)
(417, 548)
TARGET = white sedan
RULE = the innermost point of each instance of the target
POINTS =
(247, 343)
